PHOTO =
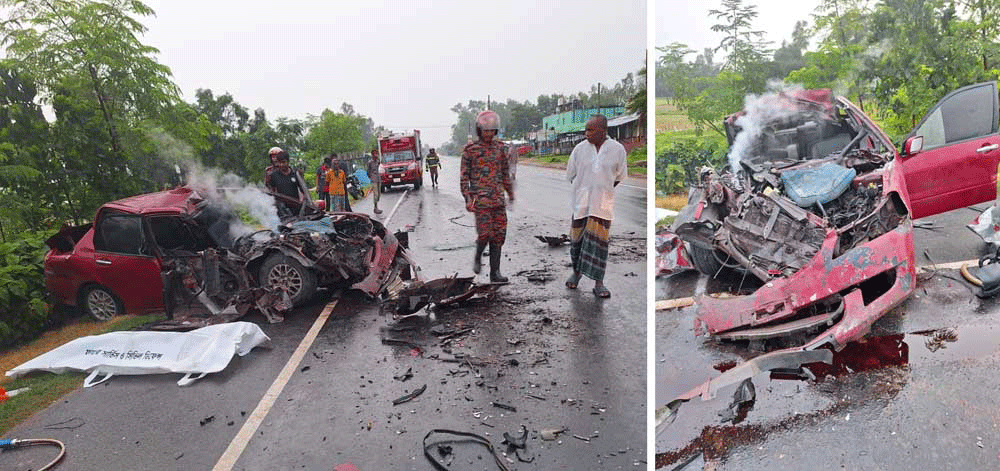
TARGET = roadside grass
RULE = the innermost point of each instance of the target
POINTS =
(674, 202)
(553, 159)
(46, 388)
(663, 139)
(669, 118)
(636, 162)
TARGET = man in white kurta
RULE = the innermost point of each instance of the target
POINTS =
(596, 166)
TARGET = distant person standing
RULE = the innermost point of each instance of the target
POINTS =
(376, 179)
(595, 167)
(485, 177)
(322, 190)
(433, 162)
(336, 180)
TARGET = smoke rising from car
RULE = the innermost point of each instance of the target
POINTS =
(760, 111)
(236, 194)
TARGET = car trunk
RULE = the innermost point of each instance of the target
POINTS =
(67, 237)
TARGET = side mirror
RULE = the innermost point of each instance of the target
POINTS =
(913, 145)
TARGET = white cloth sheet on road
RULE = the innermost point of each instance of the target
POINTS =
(195, 353)
(593, 175)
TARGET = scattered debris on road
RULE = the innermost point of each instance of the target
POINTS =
(405, 376)
(503, 406)
(409, 397)
(743, 400)
(445, 447)
(441, 292)
(563, 239)
(550, 434)
(517, 444)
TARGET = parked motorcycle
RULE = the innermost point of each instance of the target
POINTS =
(354, 187)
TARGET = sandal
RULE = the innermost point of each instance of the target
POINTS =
(572, 281)
(602, 292)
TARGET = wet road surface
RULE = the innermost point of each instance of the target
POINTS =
(918, 393)
(563, 359)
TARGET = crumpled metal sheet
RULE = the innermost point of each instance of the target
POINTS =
(440, 292)
(671, 254)
(987, 225)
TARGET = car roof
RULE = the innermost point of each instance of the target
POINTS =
(179, 200)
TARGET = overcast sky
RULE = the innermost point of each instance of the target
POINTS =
(404, 63)
(775, 17)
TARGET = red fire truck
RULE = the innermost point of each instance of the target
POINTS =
(402, 160)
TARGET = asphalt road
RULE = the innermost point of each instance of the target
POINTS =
(561, 358)
(912, 396)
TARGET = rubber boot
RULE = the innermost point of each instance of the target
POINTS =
(477, 263)
(495, 276)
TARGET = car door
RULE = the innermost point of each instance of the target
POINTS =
(126, 261)
(957, 165)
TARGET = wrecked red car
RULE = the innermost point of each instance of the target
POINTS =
(177, 250)
(818, 205)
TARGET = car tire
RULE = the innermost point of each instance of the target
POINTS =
(704, 260)
(286, 272)
(417, 184)
(385, 188)
(100, 303)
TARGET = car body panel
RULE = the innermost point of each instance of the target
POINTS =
(961, 168)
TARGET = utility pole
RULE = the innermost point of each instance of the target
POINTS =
(598, 97)
(487, 102)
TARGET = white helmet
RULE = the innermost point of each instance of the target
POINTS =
(274, 150)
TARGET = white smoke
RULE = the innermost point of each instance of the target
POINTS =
(228, 189)
(237, 194)
(760, 111)
(260, 206)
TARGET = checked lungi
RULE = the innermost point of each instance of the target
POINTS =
(491, 225)
(338, 203)
(589, 246)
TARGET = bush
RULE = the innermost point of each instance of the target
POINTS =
(678, 162)
(23, 312)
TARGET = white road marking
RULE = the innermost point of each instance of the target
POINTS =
(394, 208)
(240, 441)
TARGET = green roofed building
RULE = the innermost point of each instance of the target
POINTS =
(563, 130)
(573, 121)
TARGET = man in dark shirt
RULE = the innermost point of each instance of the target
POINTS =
(285, 181)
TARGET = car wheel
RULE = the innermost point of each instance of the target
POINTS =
(100, 303)
(385, 188)
(704, 259)
(418, 183)
(282, 271)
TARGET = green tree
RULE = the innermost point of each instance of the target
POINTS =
(96, 41)
(23, 146)
(745, 47)
(334, 132)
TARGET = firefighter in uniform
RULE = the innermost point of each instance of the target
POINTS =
(433, 162)
(485, 176)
